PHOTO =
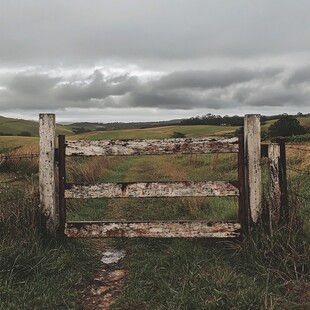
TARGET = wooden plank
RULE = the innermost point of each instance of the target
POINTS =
(152, 189)
(47, 172)
(152, 147)
(253, 167)
(274, 190)
(154, 229)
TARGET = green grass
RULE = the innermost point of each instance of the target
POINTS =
(160, 132)
(158, 168)
(263, 272)
(36, 274)
(16, 141)
(202, 274)
(15, 126)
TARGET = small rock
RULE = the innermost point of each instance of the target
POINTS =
(117, 275)
(99, 291)
(112, 256)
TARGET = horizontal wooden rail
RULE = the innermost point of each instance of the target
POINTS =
(152, 147)
(152, 189)
(154, 229)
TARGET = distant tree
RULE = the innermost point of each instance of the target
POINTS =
(286, 126)
(78, 130)
(25, 134)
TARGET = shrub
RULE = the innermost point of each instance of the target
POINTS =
(178, 135)
(286, 126)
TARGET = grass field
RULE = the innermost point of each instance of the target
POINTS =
(263, 272)
(14, 127)
(160, 132)
(258, 273)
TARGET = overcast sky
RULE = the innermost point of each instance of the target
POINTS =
(141, 60)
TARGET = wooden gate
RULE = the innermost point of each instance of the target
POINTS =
(247, 187)
(147, 189)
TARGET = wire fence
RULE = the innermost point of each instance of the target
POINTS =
(20, 156)
(12, 180)
(6, 156)
(297, 148)
(15, 186)
(292, 168)
(304, 173)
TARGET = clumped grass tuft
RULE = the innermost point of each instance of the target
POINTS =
(258, 272)
(36, 272)
(87, 169)
(40, 274)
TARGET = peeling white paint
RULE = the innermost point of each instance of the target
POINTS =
(152, 189)
(152, 147)
(154, 229)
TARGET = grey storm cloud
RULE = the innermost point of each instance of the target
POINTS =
(185, 90)
(158, 93)
(158, 55)
(299, 76)
(279, 98)
(32, 83)
(172, 100)
(98, 87)
(206, 79)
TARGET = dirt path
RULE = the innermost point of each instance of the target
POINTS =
(103, 290)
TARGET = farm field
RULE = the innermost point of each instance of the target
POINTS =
(14, 127)
(263, 272)
(160, 132)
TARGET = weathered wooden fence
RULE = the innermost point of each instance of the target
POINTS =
(247, 187)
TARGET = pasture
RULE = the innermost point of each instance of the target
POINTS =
(265, 271)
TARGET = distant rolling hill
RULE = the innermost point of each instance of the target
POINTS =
(81, 127)
(16, 127)
(20, 127)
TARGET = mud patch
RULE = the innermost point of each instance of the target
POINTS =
(108, 283)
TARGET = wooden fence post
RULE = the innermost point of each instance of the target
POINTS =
(47, 172)
(274, 190)
(252, 149)
(284, 211)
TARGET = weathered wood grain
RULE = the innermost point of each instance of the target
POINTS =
(155, 229)
(253, 165)
(47, 172)
(152, 147)
(151, 189)
(274, 190)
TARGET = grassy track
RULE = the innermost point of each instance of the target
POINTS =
(156, 168)
(196, 274)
